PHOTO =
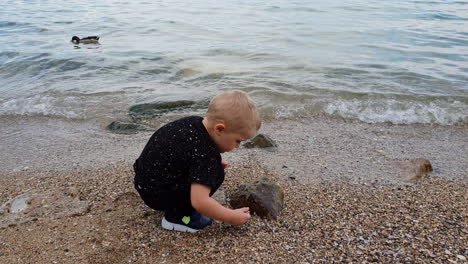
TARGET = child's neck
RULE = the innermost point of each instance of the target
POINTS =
(208, 126)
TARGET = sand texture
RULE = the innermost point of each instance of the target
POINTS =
(345, 200)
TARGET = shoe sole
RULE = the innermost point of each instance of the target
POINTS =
(176, 227)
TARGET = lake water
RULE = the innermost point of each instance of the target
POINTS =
(377, 61)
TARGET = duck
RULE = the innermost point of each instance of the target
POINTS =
(86, 40)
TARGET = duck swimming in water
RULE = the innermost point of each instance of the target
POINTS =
(86, 40)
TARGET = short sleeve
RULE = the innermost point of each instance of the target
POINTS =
(206, 169)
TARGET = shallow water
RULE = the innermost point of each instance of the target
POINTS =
(396, 61)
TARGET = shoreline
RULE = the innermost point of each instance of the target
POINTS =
(314, 149)
(344, 198)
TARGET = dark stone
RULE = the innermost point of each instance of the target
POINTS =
(264, 197)
(260, 141)
(125, 127)
(158, 109)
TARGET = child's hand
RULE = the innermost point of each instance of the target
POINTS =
(224, 164)
(241, 216)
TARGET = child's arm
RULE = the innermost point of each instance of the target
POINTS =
(204, 204)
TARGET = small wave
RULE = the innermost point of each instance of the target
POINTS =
(337, 72)
(152, 58)
(194, 71)
(401, 112)
(63, 22)
(259, 56)
(4, 24)
(298, 9)
(40, 105)
(370, 108)
(156, 71)
(7, 27)
(209, 77)
(5, 56)
(447, 17)
(441, 16)
(37, 64)
(441, 3)
(372, 66)
(354, 8)
(225, 52)
(425, 38)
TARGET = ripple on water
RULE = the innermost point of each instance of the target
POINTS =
(304, 56)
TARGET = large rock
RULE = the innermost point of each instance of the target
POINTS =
(264, 197)
(260, 141)
(415, 169)
(120, 127)
(156, 109)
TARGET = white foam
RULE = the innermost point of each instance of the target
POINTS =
(288, 111)
(401, 112)
(68, 107)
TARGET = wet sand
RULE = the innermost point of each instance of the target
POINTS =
(345, 200)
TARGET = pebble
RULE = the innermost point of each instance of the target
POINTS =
(327, 222)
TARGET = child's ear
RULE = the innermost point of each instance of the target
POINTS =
(219, 127)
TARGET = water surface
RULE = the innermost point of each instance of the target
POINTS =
(377, 61)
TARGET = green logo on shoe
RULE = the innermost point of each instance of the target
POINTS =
(186, 219)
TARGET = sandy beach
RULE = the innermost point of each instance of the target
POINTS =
(362, 99)
(345, 199)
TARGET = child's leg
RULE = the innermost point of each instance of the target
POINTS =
(179, 215)
(178, 201)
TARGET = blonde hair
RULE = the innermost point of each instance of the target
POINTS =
(236, 110)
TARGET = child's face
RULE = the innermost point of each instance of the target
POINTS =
(228, 141)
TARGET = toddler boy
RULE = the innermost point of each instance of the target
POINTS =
(181, 167)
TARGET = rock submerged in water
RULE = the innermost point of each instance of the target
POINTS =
(260, 141)
(264, 197)
(157, 109)
(125, 127)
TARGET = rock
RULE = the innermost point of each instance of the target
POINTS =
(125, 127)
(260, 141)
(415, 169)
(264, 197)
(158, 109)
